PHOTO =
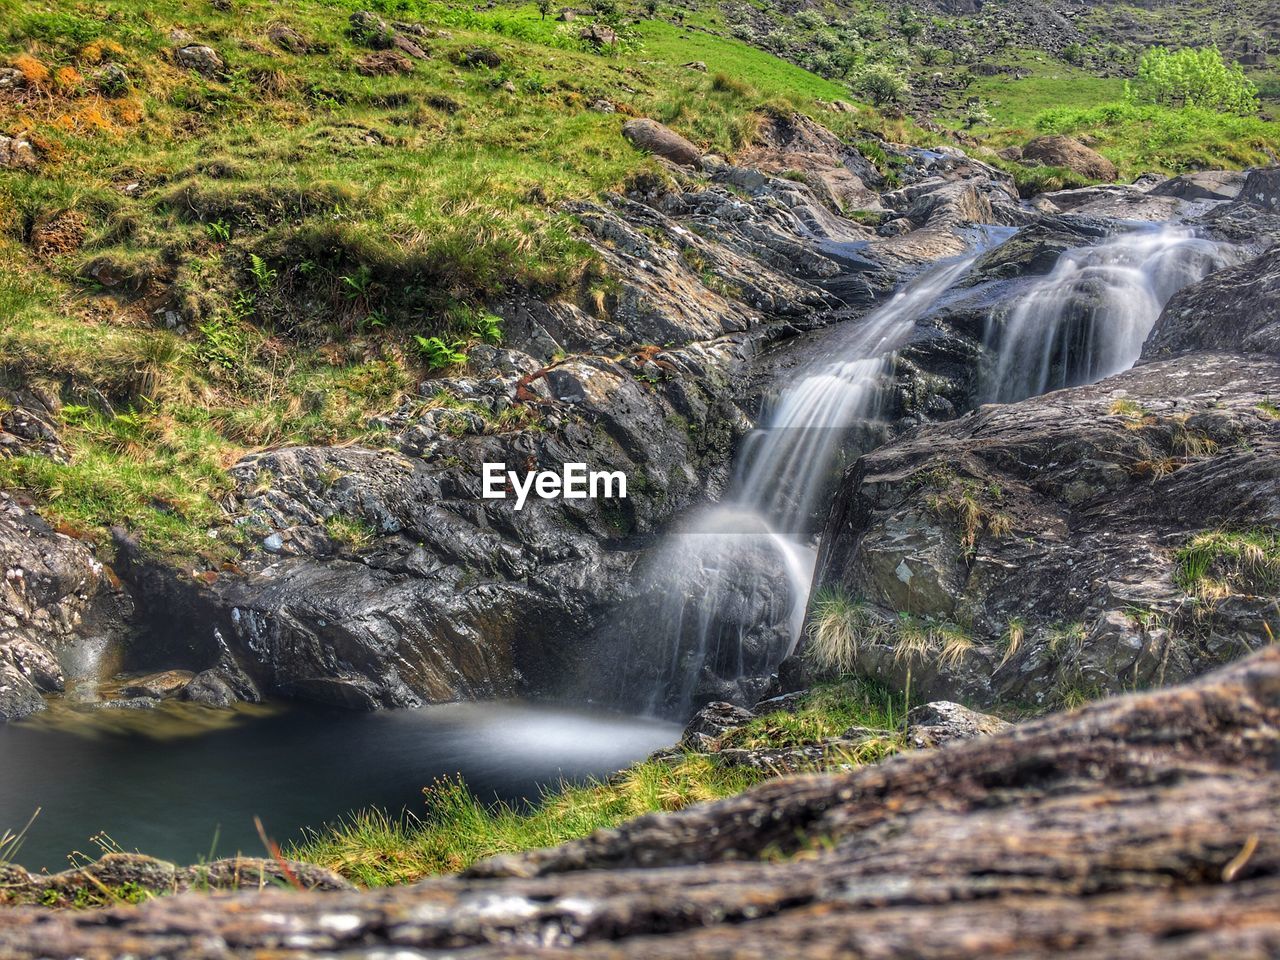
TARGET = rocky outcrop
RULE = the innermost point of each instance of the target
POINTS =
(54, 593)
(1058, 151)
(17, 154)
(1038, 551)
(1203, 185)
(1234, 309)
(384, 578)
(1144, 824)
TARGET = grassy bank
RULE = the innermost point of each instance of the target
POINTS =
(456, 829)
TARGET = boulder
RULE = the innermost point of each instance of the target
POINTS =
(714, 721)
(1233, 309)
(940, 722)
(662, 142)
(480, 57)
(371, 30)
(19, 697)
(1031, 552)
(1262, 189)
(202, 59)
(1202, 185)
(288, 39)
(17, 154)
(1059, 151)
(1142, 826)
(11, 79)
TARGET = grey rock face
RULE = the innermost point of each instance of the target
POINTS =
(1235, 309)
(1034, 545)
(52, 590)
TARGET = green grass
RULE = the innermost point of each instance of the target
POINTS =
(1219, 563)
(310, 226)
(456, 829)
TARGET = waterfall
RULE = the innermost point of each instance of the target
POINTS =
(1088, 318)
(729, 590)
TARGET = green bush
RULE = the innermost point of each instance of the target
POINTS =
(1193, 78)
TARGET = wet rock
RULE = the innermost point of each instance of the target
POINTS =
(662, 141)
(1059, 151)
(159, 686)
(52, 590)
(18, 695)
(1262, 189)
(1121, 834)
(202, 59)
(17, 154)
(714, 721)
(1049, 529)
(940, 722)
(1234, 309)
(219, 687)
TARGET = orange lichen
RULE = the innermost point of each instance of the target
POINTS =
(101, 50)
(35, 72)
(68, 79)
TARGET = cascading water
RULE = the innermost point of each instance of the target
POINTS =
(1088, 318)
(731, 587)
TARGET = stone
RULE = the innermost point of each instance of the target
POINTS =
(17, 154)
(409, 47)
(1233, 309)
(37, 663)
(1079, 499)
(371, 30)
(11, 79)
(159, 686)
(202, 59)
(1055, 150)
(1202, 185)
(696, 65)
(715, 720)
(288, 39)
(1142, 826)
(383, 63)
(1262, 189)
(599, 35)
(940, 722)
(19, 697)
(111, 80)
(480, 57)
(662, 141)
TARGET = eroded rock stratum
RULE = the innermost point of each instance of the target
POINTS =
(1140, 826)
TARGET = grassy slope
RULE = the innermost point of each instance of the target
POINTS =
(381, 207)
(455, 830)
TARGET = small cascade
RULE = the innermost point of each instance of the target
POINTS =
(731, 587)
(1088, 318)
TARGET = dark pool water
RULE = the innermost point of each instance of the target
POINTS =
(167, 782)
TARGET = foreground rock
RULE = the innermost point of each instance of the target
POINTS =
(121, 876)
(1031, 552)
(1142, 826)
